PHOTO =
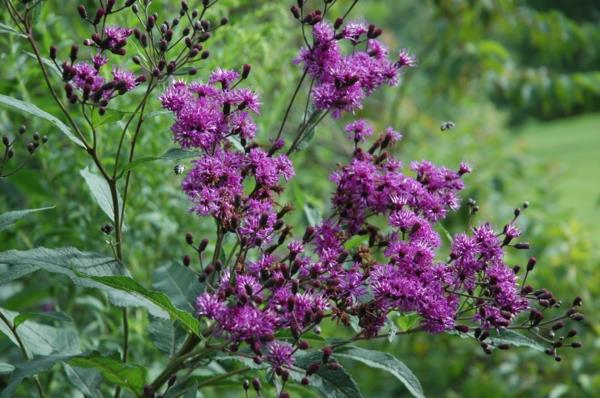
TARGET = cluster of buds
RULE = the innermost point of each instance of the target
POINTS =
(11, 144)
(168, 48)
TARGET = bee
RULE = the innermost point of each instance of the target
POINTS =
(179, 169)
(447, 126)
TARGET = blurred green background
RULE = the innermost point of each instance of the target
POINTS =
(521, 81)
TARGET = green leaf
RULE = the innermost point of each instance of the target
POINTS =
(101, 192)
(330, 383)
(27, 370)
(313, 215)
(10, 30)
(387, 362)
(150, 298)
(507, 337)
(46, 62)
(8, 219)
(128, 375)
(79, 266)
(179, 283)
(166, 335)
(56, 316)
(40, 339)
(85, 380)
(286, 334)
(35, 111)
(6, 368)
(171, 154)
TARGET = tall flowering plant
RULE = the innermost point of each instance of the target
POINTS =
(286, 304)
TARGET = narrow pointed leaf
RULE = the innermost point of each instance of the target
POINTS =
(158, 299)
(8, 219)
(35, 111)
(387, 362)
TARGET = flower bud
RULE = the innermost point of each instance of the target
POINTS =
(186, 260)
(295, 12)
(246, 71)
(338, 22)
(531, 263)
(82, 11)
(74, 53)
(53, 52)
(462, 328)
(256, 384)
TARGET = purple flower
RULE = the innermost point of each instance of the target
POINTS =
(210, 306)
(116, 37)
(124, 80)
(405, 59)
(279, 354)
(359, 130)
(223, 76)
(87, 76)
(354, 30)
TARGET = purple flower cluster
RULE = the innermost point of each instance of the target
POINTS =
(380, 250)
(207, 117)
(343, 81)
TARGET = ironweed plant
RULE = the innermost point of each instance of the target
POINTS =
(259, 292)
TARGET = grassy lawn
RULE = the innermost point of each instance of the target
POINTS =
(572, 147)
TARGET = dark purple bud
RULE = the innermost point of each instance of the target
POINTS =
(189, 239)
(109, 6)
(521, 246)
(256, 384)
(205, 54)
(295, 12)
(224, 21)
(462, 328)
(576, 344)
(313, 368)
(5, 140)
(186, 260)
(334, 366)
(246, 71)
(531, 263)
(577, 301)
(99, 14)
(74, 53)
(82, 11)
(338, 22)
(577, 317)
(327, 351)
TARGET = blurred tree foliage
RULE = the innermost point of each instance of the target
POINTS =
(483, 64)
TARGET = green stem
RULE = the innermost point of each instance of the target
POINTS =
(223, 376)
(291, 103)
